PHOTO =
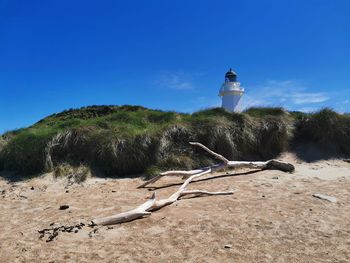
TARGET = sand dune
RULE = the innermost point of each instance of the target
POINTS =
(272, 217)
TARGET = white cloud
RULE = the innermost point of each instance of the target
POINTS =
(176, 81)
(287, 93)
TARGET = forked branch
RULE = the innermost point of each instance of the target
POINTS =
(153, 204)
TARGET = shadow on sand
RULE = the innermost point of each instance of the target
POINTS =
(152, 188)
(309, 152)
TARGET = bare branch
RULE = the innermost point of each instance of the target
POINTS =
(216, 155)
(133, 214)
(153, 204)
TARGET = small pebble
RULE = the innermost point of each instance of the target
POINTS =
(228, 246)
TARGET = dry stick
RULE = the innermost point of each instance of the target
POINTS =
(270, 164)
(152, 204)
(203, 192)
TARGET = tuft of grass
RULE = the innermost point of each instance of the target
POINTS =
(73, 174)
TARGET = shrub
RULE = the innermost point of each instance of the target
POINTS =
(327, 129)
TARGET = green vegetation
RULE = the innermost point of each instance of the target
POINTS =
(126, 140)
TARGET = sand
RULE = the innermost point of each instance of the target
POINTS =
(272, 217)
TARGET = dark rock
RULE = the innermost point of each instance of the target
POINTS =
(64, 207)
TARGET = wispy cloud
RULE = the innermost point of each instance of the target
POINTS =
(287, 93)
(308, 98)
(175, 81)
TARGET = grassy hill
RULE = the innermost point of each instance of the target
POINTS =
(125, 140)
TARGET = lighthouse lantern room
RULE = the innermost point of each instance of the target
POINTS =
(231, 92)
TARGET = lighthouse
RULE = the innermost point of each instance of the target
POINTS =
(231, 92)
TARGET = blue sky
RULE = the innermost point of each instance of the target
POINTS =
(170, 55)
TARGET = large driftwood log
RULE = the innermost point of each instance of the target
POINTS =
(152, 204)
(226, 164)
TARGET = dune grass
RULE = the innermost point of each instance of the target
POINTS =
(128, 140)
(327, 129)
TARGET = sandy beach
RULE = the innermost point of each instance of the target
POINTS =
(272, 217)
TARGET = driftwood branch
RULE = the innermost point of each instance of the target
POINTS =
(153, 204)
(216, 155)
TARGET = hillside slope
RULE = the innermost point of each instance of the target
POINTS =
(125, 140)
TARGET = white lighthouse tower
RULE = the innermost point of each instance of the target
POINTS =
(231, 92)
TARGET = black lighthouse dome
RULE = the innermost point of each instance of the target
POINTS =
(230, 76)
